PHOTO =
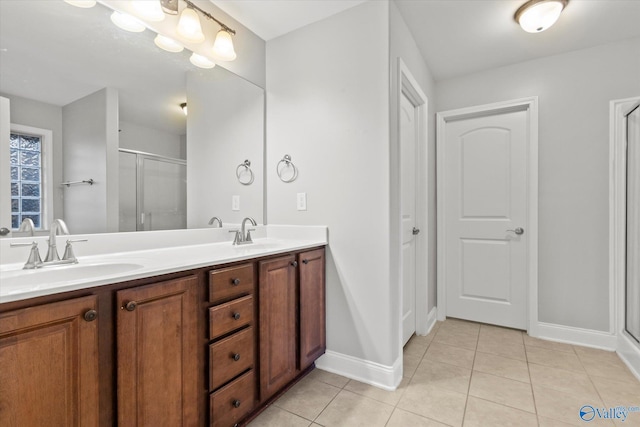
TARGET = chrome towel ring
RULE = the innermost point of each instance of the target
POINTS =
(245, 176)
(285, 164)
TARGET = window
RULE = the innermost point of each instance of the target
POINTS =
(29, 180)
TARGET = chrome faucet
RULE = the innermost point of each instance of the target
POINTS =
(216, 219)
(243, 236)
(57, 225)
(27, 225)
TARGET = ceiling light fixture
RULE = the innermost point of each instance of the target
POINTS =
(184, 108)
(201, 61)
(536, 16)
(85, 4)
(168, 44)
(149, 10)
(127, 22)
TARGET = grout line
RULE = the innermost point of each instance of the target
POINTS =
(466, 400)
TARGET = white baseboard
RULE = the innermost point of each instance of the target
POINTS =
(365, 371)
(432, 318)
(578, 336)
(629, 352)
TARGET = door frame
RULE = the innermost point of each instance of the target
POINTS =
(409, 86)
(530, 105)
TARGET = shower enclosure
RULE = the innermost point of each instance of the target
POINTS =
(632, 276)
(153, 192)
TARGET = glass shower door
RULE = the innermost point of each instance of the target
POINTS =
(632, 283)
(163, 195)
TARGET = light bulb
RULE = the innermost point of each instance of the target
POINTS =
(149, 10)
(189, 26)
(127, 22)
(223, 46)
(82, 3)
(201, 61)
(168, 44)
(538, 16)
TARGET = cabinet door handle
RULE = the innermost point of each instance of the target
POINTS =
(236, 357)
(294, 263)
(235, 282)
(236, 403)
(130, 306)
(305, 261)
(236, 316)
(90, 315)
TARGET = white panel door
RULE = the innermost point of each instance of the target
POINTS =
(486, 218)
(5, 169)
(632, 275)
(408, 160)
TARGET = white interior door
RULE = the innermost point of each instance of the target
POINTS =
(485, 213)
(408, 135)
(5, 169)
(632, 276)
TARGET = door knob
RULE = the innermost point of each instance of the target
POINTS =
(415, 231)
(518, 231)
(4, 231)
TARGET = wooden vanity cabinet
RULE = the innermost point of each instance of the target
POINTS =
(312, 309)
(49, 365)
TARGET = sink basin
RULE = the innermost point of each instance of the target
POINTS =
(14, 281)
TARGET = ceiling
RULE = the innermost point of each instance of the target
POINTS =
(458, 37)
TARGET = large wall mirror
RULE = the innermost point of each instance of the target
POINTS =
(110, 101)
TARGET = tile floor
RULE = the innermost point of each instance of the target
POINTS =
(469, 374)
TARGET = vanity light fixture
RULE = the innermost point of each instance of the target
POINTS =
(223, 46)
(189, 26)
(149, 10)
(184, 108)
(168, 44)
(85, 4)
(127, 22)
(201, 61)
(536, 16)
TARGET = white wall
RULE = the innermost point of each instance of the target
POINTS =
(155, 141)
(90, 127)
(328, 107)
(44, 116)
(574, 91)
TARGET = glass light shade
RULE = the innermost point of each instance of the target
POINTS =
(201, 61)
(82, 3)
(149, 10)
(127, 22)
(223, 47)
(535, 17)
(168, 44)
(189, 26)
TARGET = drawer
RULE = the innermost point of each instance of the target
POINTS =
(229, 283)
(230, 357)
(230, 316)
(234, 401)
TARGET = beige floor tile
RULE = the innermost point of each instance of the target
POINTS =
(450, 354)
(593, 354)
(562, 406)
(416, 346)
(460, 325)
(555, 359)
(549, 345)
(402, 418)
(450, 377)
(435, 403)
(502, 390)
(562, 380)
(499, 334)
(328, 378)
(501, 366)
(389, 397)
(456, 337)
(613, 369)
(352, 410)
(409, 364)
(615, 393)
(481, 413)
(276, 417)
(549, 422)
(307, 398)
(501, 348)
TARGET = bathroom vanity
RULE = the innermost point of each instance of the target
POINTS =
(206, 344)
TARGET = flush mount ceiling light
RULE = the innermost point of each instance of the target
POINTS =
(85, 4)
(127, 22)
(537, 15)
(184, 108)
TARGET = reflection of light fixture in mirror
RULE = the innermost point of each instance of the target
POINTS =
(127, 22)
(223, 46)
(149, 10)
(170, 7)
(189, 26)
(82, 3)
(168, 44)
(537, 15)
(201, 61)
(184, 108)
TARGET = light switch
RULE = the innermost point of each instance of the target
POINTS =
(235, 203)
(302, 201)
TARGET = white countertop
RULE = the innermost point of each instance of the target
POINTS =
(178, 253)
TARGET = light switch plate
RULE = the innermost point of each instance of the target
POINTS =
(302, 201)
(235, 203)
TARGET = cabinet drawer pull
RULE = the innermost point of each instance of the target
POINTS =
(130, 306)
(294, 263)
(305, 261)
(235, 282)
(90, 315)
(236, 357)
(236, 315)
(236, 403)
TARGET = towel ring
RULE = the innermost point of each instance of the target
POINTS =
(247, 169)
(287, 164)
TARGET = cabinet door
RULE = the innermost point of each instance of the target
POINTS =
(157, 354)
(312, 306)
(49, 365)
(277, 300)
